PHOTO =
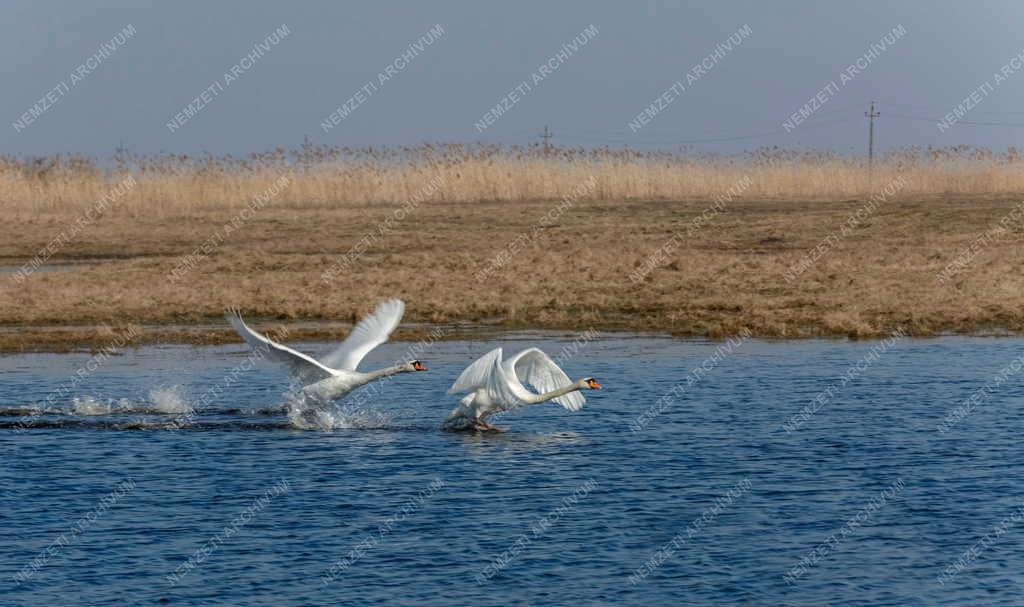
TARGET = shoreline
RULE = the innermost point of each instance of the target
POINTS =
(61, 339)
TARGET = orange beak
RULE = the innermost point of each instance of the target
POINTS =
(594, 385)
(418, 366)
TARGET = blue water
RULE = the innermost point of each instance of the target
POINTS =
(712, 501)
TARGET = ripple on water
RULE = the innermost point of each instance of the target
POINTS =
(713, 501)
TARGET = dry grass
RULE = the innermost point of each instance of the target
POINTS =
(329, 177)
(340, 236)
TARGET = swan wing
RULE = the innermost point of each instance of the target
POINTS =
(370, 332)
(536, 368)
(479, 374)
(302, 367)
(488, 373)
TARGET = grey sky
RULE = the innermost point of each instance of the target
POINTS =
(333, 49)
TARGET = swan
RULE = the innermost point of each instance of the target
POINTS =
(336, 375)
(496, 386)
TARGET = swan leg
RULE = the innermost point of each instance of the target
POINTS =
(482, 426)
(458, 423)
(468, 424)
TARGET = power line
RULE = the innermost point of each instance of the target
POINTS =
(622, 138)
(968, 122)
(931, 109)
(706, 140)
(852, 109)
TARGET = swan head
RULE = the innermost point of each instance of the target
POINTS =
(414, 365)
(589, 383)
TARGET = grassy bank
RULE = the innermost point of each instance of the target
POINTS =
(783, 245)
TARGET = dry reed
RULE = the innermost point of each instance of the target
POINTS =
(327, 176)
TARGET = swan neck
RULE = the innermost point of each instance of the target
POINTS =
(385, 372)
(540, 398)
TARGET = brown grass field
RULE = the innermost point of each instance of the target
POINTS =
(782, 244)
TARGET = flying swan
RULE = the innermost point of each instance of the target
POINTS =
(496, 386)
(336, 375)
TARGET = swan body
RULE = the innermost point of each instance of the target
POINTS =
(495, 385)
(336, 375)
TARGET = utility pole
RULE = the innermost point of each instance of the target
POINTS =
(871, 114)
(546, 136)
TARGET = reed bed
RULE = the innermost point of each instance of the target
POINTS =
(319, 176)
(775, 243)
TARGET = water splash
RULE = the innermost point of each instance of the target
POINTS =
(169, 399)
(162, 400)
(307, 415)
(89, 405)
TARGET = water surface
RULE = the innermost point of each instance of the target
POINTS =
(115, 491)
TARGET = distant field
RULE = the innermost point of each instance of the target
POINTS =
(782, 245)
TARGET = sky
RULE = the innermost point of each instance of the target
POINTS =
(628, 55)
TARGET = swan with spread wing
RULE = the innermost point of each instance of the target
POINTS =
(335, 375)
(495, 385)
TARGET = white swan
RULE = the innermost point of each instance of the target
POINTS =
(496, 386)
(336, 376)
